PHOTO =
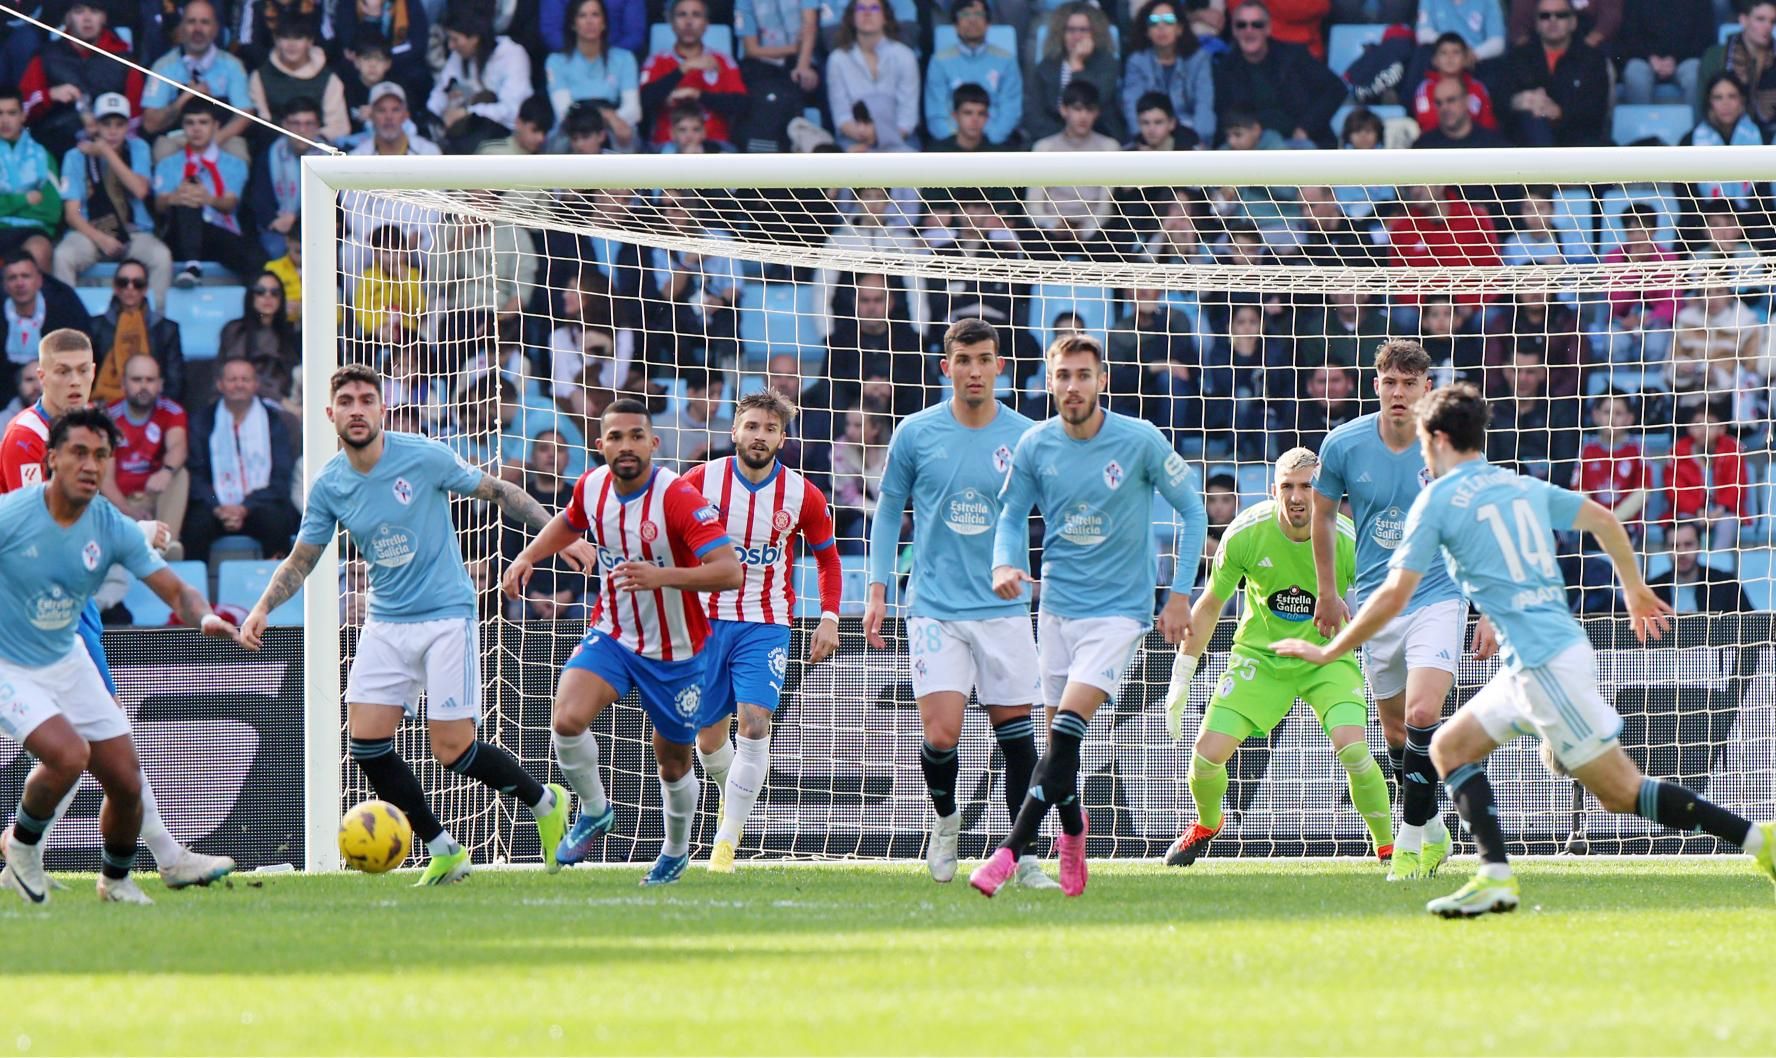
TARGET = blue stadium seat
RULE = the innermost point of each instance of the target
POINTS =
(1092, 304)
(240, 583)
(1670, 122)
(96, 299)
(1254, 483)
(999, 35)
(1727, 29)
(146, 609)
(201, 313)
(1754, 577)
(856, 585)
(771, 319)
(1344, 44)
(717, 37)
(1575, 222)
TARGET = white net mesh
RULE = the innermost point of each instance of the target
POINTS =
(1620, 330)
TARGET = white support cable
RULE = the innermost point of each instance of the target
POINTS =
(146, 72)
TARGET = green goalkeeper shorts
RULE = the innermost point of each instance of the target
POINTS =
(1259, 690)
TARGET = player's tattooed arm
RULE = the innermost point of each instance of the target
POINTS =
(512, 500)
(288, 578)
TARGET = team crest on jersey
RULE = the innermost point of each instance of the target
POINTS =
(780, 521)
(1001, 459)
(689, 701)
(1113, 474)
(89, 555)
(649, 532)
(152, 433)
(1424, 477)
(403, 491)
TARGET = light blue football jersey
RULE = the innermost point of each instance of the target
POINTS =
(398, 515)
(1096, 497)
(1382, 485)
(953, 475)
(1494, 531)
(48, 573)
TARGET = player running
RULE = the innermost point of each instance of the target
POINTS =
(659, 543)
(1411, 665)
(951, 461)
(1495, 530)
(1268, 548)
(765, 506)
(57, 540)
(65, 370)
(1094, 473)
(391, 491)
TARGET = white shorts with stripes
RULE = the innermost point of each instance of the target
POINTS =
(1557, 701)
(396, 661)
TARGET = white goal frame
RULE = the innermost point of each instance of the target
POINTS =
(325, 177)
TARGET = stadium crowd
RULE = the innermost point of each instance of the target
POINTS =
(138, 213)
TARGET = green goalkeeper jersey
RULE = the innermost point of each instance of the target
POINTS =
(1278, 574)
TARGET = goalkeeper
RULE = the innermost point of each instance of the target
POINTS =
(1269, 546)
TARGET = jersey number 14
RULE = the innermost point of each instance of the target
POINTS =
(1529, 551)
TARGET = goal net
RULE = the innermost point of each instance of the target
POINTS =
(1612, 304)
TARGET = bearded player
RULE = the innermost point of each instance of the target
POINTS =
(765, 506)
(65, 368)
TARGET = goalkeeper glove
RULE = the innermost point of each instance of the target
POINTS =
(1178, 693)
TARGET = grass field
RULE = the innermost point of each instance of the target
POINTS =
(1605, 957)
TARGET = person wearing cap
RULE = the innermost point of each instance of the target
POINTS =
(971, 60)
(201, 66)
(30, 200)
(197, 192)
(62, 81)
(298, 70)
(105, 192)
(389, 125)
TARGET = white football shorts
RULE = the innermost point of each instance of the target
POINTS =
(995, 658)
(71, 687)
(1557, 701)
(1429, 637)
(1092, 650)
(396, 661)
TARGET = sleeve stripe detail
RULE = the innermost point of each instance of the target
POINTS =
(720, 541)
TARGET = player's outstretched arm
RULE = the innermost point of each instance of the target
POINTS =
(193, 611)
(1385, 605)
(1649, 615)
(522, 507)
(552, 539)
(285, 583)
(1330, 611)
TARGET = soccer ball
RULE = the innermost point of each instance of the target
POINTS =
(375, 837)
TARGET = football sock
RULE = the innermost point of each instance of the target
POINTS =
(1418, 776)
(578, 757)
(1208, 786)
(751, 765)
(27, 829)
(1472, 792)
(1411, 838)
(395, 783)
(1397, 762)
(940, 767)
(493, 767)
(161, 844)
(1055, 782)
(1369, 791)
(1017, 740)
(1669, 804)
(115, 864)
(443, 845)
(716, 765)
(678, 802)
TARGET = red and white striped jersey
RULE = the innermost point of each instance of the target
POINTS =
(22, 448)
(763, 521)
(667, 523)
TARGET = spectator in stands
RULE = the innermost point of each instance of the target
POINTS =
(486, 269)
(1662, 43)
(530, 135)
(1170, 61)
(1751, 55)
(1456, 126)
(693, 71)
(200, 65)
(871, 339)
(693, 319)
(1537, 324)
(589, 68)
(388, 125)
(1280, 84)
(873, 226)
(129, 327)
(872, 81)
(388, 300)
(197, 192)
(1073, 213)
(1438, 229)
(546, 480)
(1612, 470)
(1344, 333)
(1078, 48)
(1529, 431)
(698, 428)
(274, 187)
(1708, 476)
(1157, 128)
(297, 69)
(1558, 86)
(1325, 234)
(25, 393)
(30, 197)
(1302, 23)
(1156, 368)
(1177, 239)
(70, 72)
(397, 32)
(587, 348)
(1726, 122)
(1328, 401)
(1599, 21)
(1479, 23)
(1637, 345)
(859, 457)
(288, 270)
(1692, 586)
(1447, 332)
(1245, 376)
(585, 131)
(778, 38)
(972, 60)
(484, 81)
(256, 22)
(1533, 239)
(690, 133)
(105, 187)
(147, 478)
(1451, 57)
(265, 336)
(1221, 500)
(35, 305)
(1363, 131)
(241, 457)
(1717, 344)
(970, 113)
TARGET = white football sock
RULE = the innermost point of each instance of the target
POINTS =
(716, 765)
(443, 845)
(744, 784)
(161, 844)
(545, 806)
(1498, 872)
(1435, 829)
(678, 801)
(1754, 840)
(1411, 838)
(578, 757)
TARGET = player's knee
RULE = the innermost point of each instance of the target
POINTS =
(754, 723)
(66, 758)
(675, 766)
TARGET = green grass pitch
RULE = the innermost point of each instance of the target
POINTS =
(1605, 957)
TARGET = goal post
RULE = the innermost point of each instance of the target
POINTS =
(1277, 273)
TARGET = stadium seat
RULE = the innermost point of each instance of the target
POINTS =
(240, 583)
(1670, 122)
(1575, 222)
(1093, 305)
(1254, 483)
(1727, 29)
(856, 586)
(1344, 44)
(146, 609)
(201, 313)
(1754, 577)
(999, 35)
(770, 320)
(717, 37)
(96, 299)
